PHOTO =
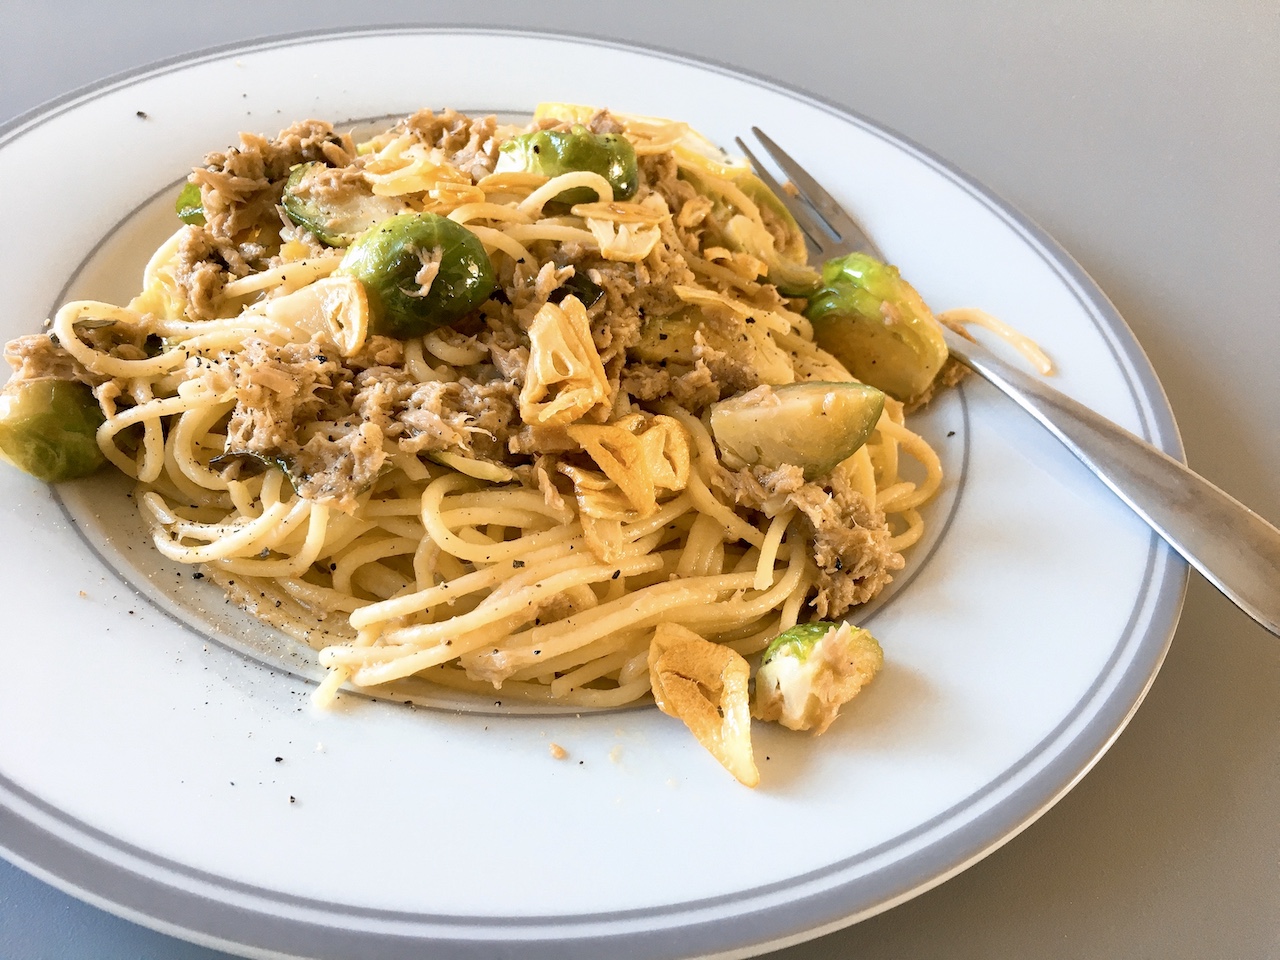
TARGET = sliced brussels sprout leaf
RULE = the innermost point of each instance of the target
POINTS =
(875, 323)
(420, 271)
(580, 286)
(189, 207)
(48, 428)
(337, 215)
(553, 152)
(251, 464)
(810, 671)
(813, 425)
(734, 228)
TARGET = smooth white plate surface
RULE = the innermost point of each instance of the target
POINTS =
(138, 767)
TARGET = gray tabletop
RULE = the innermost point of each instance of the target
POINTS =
(1145, 136)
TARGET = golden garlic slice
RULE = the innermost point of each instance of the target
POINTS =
(704, 684)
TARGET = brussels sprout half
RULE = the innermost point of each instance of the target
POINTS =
(553, 152)
(336, 216)
(810, 671)
(813, 425)
(393, 261)
(875, 323)
(48, 428)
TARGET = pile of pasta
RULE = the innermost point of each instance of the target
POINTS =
(546, 574)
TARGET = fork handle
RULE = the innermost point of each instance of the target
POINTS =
(1236, 550)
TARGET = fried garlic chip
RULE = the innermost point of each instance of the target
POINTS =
(598, 497)
(627, 231)
(640, 455)
(334, 306)
(704, 684)
(564, 378)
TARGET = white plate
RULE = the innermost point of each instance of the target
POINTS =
(160, 764)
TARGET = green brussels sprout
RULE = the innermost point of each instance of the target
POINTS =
(810, 671)
(189, 206)
(553, 152)
(875, 323)
(48, 428)
(813, 425)
(787, 258)
(335, 216)
(389, 259)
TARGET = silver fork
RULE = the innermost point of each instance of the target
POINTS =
(831, 232)
(1233, 547)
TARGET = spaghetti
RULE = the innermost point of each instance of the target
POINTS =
(516, 499)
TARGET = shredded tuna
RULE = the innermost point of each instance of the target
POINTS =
(730, 373)
(301, 403)
(377, 352)
(239, 189)
(694, 388)
(468, 144)
(463, 416)
(536, 440)
(510, 357)
(279, 389)
(200, 273)
(544, 469)
(335, 466)
(850, 536)
(334, 185)
(40, 357)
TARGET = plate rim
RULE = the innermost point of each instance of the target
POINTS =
(186, 905)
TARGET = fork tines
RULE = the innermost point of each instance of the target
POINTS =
(831, 231)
